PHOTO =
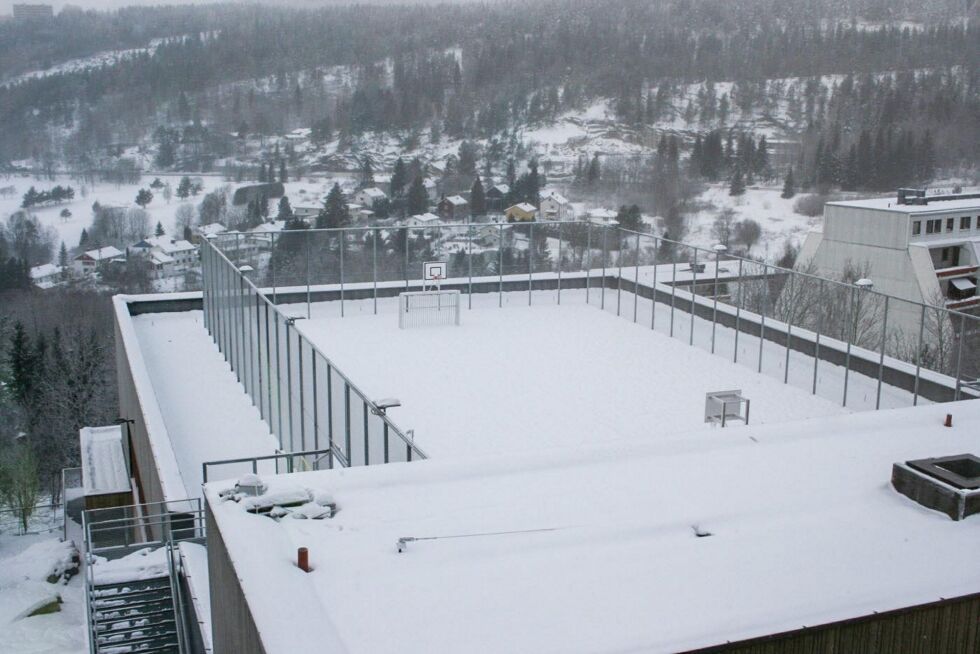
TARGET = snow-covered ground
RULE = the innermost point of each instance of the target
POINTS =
(25, 564)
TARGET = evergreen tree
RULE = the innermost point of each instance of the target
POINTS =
(159, 230)
(532, 188)
(398, 179)
(184, 188)
(367, 172)
(478, 200)
(83, 239)
(283, 176)
(144, 197)
(630, 218)
(335, 212)
(263, 178)
(418, 199)
(285, 213)
(63, 256)
(737, 185)
(594, 173)
(789, 185)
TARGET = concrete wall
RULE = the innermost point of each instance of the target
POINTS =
(232, 626)
(885, 229)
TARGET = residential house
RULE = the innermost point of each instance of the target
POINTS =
(423, 220)
(556, 207)
(46, 275)
(183, 254)
(87, 263)
(453, 208)
(602, 216)
(211, 229)
(521, 213)
(497, 197)
(366, 197)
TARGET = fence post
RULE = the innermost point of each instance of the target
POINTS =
(816, 350)
(374, 266)
(714, 307)
(307, 237)
(789, 327)
(673, 292)
(653, 288)
(530, 262)
(619, 275)
(694, 295)
(408, 235)
(853, 332)
(469, 262)
(272, 264)
(959, 355)
(316, 402)
(738, 308)
(559, 264)
(500, 267)
(343, 242)
(302, 393)
(289, 387)
(602, 295)
(588, 251)
(636, 281)
(918, 356)
(881, 361)
(765, 302)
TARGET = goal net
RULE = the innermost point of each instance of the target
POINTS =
(428, 308)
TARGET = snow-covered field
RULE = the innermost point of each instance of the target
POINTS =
(529, 378)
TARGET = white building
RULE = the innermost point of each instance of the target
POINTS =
(423, 220)
(211, 229)
(181, 254)
(87, 263)
(368, 196)
(917, 247)
(556, 207)
(46, 275)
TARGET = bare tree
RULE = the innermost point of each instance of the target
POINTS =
(19, 488)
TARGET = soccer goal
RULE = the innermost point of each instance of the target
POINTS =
(428, 308)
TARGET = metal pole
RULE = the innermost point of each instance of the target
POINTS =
(918, 356)
(316, 402)
(559, 264)
(308, 309)
(343, 243)
(602, 297)
(636, 281)
(500, 267)
(374, 267)
(588, 268)
(278, 382)
(959, 354)
(330, 412)
(816, 350)
(853, 331)
(673, 292)
(272, 264)
(765, 301)
(408, 235)
(738, 309)
(714, 308)
(694, 295)
(653, 288)
(530, 262)
(289, 387)
(881, 360)
(469, 261)
(619, 275)
(302, 394)
(789, 333)
(268, 367)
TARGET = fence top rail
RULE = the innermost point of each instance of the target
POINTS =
(142, 507)
(289, 319)
(374, 228)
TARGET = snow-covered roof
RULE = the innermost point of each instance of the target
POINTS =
(374, 193)
(45, 270)
(211, 229)
(426, 218)
(101, 254)
(169, 245)
(161, 258)
(525, 207)
(269, 228)
(660, 545)
(429, 183)
(557, 197)
(602, 214)
(890, 203)
(456, 200)
(104, 468)
(503, 189)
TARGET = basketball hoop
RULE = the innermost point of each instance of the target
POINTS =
(433, 272)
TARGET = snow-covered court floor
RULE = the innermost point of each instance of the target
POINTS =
(523, 378)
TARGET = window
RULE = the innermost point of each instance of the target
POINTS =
(949, 224)
(916, 227)
(934, 226)
(965, 222)
(945, 254)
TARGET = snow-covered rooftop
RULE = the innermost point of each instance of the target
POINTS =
(104, 468)
(890, 203)
(456, 200)
(675, 544)
(525, 207)
(101, 254)
(45, 270)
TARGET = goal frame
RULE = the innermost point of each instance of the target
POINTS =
(443, 306)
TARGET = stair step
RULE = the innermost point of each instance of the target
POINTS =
(164, 638)
(108, 617)
(120, 626)
(136, 593)
(125, 589)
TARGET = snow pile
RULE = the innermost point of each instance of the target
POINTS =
(146, 563)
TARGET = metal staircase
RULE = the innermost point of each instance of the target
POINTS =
(146, 613)
(134, 616)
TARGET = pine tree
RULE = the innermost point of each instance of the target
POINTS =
(144, 197)
(417, 200)
(398, 179)
(184, 188)
(285, 210)
(367, 172)
(594, 173)
(478, 200)
(335, 212)
(283, 177)
(63, 256)
(737, 185)
(83, 239)
(262, 176)
(159, 230)
(789, 185)
(532, 189)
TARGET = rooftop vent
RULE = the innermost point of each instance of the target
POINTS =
(950, 484)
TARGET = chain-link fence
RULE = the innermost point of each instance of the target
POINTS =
(838, 339)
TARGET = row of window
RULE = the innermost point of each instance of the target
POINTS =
(935, 225)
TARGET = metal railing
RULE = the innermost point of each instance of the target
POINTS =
(846, 342)
(307, 402)
(291, 462)
(118, 530)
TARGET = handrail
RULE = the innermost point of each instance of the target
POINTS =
(288, 456)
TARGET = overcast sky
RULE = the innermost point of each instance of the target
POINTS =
(6, 5)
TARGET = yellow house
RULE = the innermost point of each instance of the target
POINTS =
(521, 213)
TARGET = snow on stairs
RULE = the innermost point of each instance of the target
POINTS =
(134, 616)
